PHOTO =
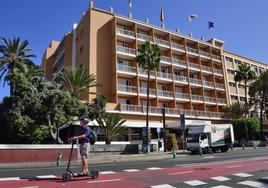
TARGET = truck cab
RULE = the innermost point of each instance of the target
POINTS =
(197, 141)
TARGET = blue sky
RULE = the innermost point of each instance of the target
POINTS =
(242, 24)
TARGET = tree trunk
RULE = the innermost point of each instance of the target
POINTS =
(54, 135)
(147, 108)
(107, 137)
(246, 106)
(262, 107)
(11, 79)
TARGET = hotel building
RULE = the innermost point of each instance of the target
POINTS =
(195, 77)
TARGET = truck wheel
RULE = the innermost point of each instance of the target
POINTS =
(224, 149)
(214, 150)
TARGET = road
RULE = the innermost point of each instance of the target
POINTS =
(238, 168)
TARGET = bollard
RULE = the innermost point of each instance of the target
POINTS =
(232, 147)
(210, 150)
(200, 151)
(173, 153)
(243, 146)
(254, 145)
(59, 158)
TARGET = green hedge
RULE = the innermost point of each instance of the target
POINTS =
(253, 125)
(172, 142)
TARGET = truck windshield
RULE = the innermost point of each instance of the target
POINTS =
(193, 138)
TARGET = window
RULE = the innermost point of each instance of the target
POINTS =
(232, 84)
(164, 88)
(164, 70)
(229, 59)
(164, 105)
(237, 62)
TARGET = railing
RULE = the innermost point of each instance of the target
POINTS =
(218, 71)
(179, 62)
(164, 93)
(219, 85)
(164, 75)
(125, 68)
(195, 81)
(193, 65)
(181, 95)
(161, 42)
(126, 50)
(202, 53)
(145, 72)
(177, 46)
(152, 110)
(205, 68)
(143, 90)
(221, 101)
(208, 83)
(144, 37)
(180, 78)
(130, 108)
(125, 32)
(210, 99)
(197, 97)
(165, 58)
(126, 88)
(216, 57)
(192, 50)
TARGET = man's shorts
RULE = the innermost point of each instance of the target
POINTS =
(84, 150)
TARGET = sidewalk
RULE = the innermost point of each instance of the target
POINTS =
(105, 158)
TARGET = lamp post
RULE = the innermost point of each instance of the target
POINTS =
(164, 128)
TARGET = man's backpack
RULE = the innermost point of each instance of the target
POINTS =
(92, 137)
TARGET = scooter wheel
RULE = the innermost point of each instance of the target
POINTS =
(95, 174)
(66, 177)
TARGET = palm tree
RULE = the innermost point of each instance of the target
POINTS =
(78, 80)
(244, 73)
(13, 55)
(235, 110)
(149, 59)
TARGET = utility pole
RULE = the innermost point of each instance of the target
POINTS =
(164, 128)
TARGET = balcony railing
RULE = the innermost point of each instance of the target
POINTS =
(205, 68)
(144, 37)
(193, 65)
(195, 81)
(221, 101)
(165, 59)
(164, 75)
(218, 71)
(126, 88)
(192, 50)
(181, 95)
(179, 62)
(145, 72)
(164, 93)
(125, 32)
(161, 42)
(177, 46)
(197, 97)
(130, 108)
(205, 54)
(126, 50)
(125, 68)
(208, 83)
(219, 86)
(180, 78)
(210, 99)
(143, 90)
(216, 57)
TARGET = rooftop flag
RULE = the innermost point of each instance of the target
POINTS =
(162, 15)
(192, 17)
(130, 4)
(210, 25)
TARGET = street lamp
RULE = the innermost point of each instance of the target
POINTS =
(164, 128)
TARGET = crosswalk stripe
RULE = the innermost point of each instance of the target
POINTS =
(131, 170)
(10, 179)
(153, 168)
(195, 182)
(107, 172)
(30, 187)
(253, 184)
(162, 186)
(243, 175)
(221, 186)
(178, 173)
(46, 176)
(220, 178)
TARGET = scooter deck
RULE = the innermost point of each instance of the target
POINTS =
(94, 174)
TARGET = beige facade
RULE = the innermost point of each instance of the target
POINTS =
(193, 78)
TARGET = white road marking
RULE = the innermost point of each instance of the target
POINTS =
(209, 157)
(162, 186)
(30, 187)
(131, 170)
(107, 172)
(195, 182)
(235, 166)
(46, 177)
(221, 186)
(153, 168)
(103, 181)
(243, 175)
(253, 184)
(10, 179)
(177, 173)
(220, 178)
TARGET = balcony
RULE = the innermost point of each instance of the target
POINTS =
(125, 32)
(177, 46)
(218, 72)
(216, 57)
(178, 62)
(143, 91)
(163, 93)
(161, 42)
(219, 86)
(127, 88)
(206, 69)
(204, 54)
(180, 95)
(221, 101)
(126, 50)
(144, 73)
(192, 51)
(197, 98)
(210, 99)
(208, 84)
(166, 76)
(130, 108)
(144, 37)
(193, 66)
(180, 79)
(165, 59)
(126, 69)
(195, 81)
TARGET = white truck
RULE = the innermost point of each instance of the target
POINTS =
(210, 137)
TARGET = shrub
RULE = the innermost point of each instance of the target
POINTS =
(172, 142)
(253, 125)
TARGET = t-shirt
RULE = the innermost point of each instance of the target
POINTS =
(86, 131)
